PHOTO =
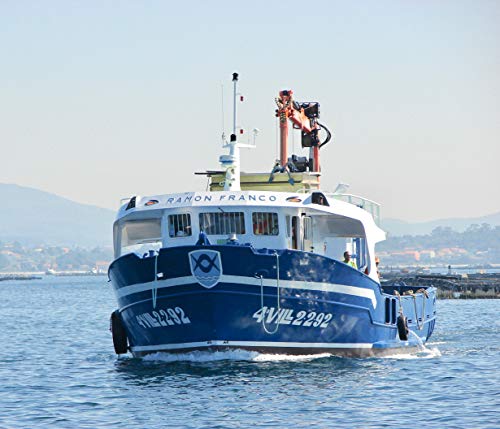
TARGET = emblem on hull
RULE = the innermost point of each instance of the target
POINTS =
(206, 267)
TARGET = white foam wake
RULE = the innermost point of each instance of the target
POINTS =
(233, 355)
(423, 352)
(426, 353)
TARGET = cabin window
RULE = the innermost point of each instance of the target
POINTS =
(265, 223)
(179, 225)
(319, 198)
(222, 223)
(140, 236)
(360, 251)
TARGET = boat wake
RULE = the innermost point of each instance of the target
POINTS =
(423, 352)
(231, 355)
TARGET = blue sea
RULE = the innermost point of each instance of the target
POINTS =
(58, 370)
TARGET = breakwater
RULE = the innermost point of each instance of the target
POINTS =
(5, 277)
(454, 286)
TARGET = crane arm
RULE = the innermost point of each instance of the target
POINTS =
(303, 117)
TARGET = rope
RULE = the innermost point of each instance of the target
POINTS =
(423, 309)
(419, 326)
(400, 303)
(401, 313)
(277, 297)
(154, 290)
(424, 298)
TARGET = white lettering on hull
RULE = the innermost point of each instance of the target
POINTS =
(163, 317)
(286, 316)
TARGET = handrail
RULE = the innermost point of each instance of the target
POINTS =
(370, 206)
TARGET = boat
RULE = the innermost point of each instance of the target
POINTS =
(256, 262)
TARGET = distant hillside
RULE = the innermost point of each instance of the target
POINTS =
(397, 227)
(35, 217)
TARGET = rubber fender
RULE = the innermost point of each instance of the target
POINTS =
(402, 325)
(119, 333)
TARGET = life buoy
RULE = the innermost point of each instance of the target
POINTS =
(402, 325)
(119, 333)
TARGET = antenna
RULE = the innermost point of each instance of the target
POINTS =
(235, 81)
(255, 132)
(231, 161)
(222, 106)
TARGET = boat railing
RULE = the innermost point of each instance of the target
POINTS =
(124, 200)
(370, 206)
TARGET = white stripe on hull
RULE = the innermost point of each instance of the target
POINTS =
(289, 284)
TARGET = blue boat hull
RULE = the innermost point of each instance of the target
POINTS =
(223, 297)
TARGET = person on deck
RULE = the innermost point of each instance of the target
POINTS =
(349, 261)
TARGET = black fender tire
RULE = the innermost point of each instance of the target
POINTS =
(119, 333)
(402, 325)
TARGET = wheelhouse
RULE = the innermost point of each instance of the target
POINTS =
(311, 223)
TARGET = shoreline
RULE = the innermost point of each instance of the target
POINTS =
(42, 275)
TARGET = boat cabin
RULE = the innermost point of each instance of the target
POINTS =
(313, 222)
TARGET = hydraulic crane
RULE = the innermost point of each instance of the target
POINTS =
(304, 116)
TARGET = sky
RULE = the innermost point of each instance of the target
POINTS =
(101, 100)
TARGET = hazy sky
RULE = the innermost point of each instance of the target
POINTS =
(101, 100)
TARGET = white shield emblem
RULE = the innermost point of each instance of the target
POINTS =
(206, 267)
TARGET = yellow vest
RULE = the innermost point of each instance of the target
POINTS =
(351, 263)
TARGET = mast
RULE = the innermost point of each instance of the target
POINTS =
(235, 81)
(231, 162)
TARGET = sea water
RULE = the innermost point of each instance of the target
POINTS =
(58, 370)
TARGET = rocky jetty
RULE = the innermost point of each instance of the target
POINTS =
(465, 286)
